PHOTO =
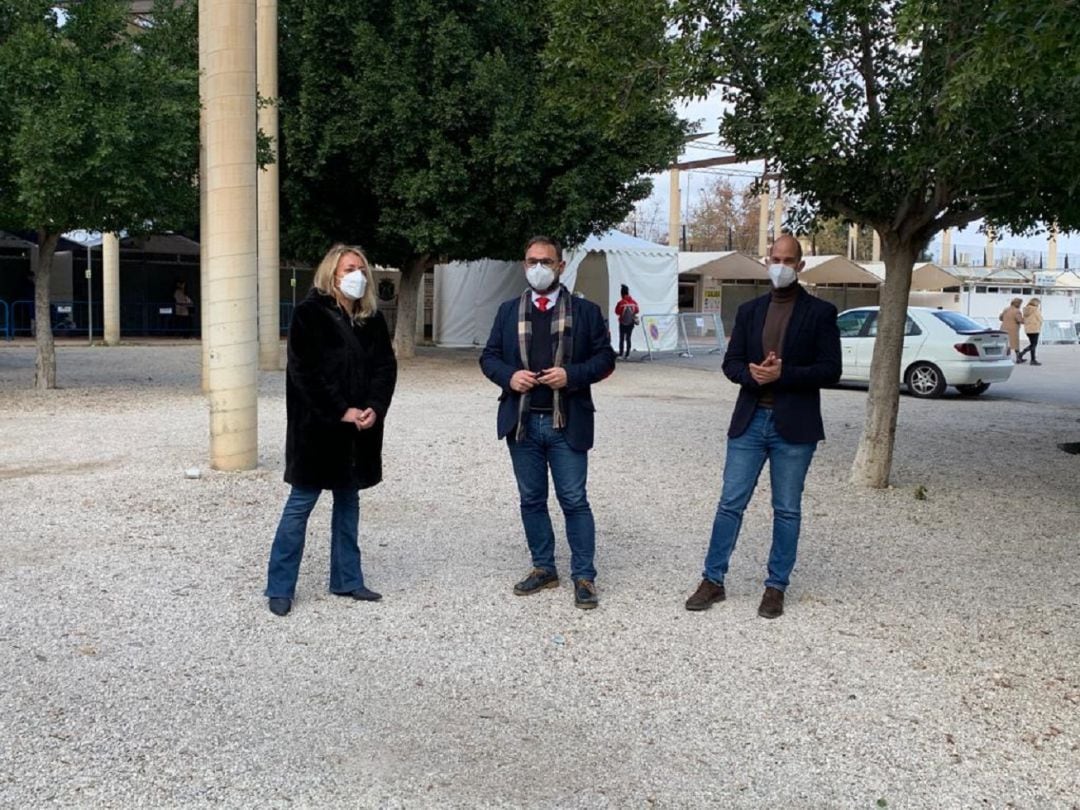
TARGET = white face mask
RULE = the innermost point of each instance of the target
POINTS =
(540, 278)
(781, 275)
(352, 285)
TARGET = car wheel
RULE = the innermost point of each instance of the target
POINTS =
(925, 380)
(972, 390)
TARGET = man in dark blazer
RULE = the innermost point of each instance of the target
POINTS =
(784, 348)
(546, 349)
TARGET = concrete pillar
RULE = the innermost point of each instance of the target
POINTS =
(1052, 259)
(852, 241)
(875, 250)
(269, 250)
(229, 309)
(778, 213)
(421, 307)
(988, 253)
(946, 248)
(110, 287)
(674, 211)
(763, 224)
(204, 230)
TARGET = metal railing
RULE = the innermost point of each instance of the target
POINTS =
(684, 333)
(150, 318)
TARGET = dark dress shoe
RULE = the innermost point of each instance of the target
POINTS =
(537, 580)
(362, 595)
(280, 605)
(706, 594)
(772, 604)
(585, 595)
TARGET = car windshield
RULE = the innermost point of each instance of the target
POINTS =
(958, 322)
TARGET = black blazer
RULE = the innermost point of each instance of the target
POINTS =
(335, 365)
(591, 359)
(810, 359)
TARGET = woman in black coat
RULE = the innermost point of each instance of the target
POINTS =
(339, 383)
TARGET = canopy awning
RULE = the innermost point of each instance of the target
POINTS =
(835, 270)
(925, 276)
(723, 266)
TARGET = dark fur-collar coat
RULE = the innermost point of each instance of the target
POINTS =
(335, 365)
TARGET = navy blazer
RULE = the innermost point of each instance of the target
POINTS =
(810, 359)
(591, 359)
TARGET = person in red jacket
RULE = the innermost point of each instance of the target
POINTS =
(626, 313)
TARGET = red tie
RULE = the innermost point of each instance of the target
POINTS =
(542, 303)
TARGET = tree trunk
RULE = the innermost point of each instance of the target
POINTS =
(405, 327)
(45, 362)
(873, 459)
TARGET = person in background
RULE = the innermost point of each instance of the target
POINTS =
(1033, 322)
(1011, 318)
(339, 382)
(626, 313)
(546, 349)
(182, 310)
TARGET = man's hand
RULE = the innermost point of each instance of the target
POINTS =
(522, 381)
(768, 371)
(552, 377)
(351, 415)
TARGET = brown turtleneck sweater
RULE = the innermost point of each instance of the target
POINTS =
(777, 317)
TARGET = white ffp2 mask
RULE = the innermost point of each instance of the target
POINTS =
(781, 275)
(540, 277)
(353, 285)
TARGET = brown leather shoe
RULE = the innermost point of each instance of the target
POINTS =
(707, 593)
(537, 580)
(772, 604)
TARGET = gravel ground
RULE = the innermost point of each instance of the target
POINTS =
(929, 656)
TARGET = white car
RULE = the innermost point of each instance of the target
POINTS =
(941, 348)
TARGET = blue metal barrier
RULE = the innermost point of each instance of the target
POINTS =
(5, 312)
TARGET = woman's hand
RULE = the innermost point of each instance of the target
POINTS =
(366, 419)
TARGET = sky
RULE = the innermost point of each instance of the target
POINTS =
(707, 111)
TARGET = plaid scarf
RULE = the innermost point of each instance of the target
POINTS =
(561, 323)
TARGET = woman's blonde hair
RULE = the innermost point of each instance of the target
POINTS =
(1034, 301)
(325, 282)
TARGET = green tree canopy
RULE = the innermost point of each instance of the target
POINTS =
(441, 129)
(909, 116)
(100, 127)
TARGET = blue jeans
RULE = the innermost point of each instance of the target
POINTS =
(542, 448)
(788, 463)
(288, 548)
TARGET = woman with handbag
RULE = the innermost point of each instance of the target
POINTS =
(339, 382)
(626, 313)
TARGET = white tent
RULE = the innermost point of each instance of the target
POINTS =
(467, 294)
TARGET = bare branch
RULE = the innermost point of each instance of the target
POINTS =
(866, 68)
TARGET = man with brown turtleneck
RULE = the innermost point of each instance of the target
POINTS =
(784, 348)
